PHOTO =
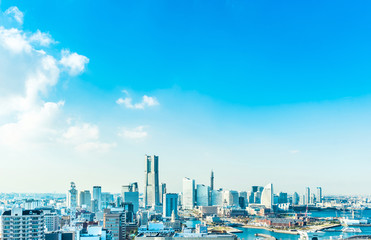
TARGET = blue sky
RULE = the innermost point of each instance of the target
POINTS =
(259, 91)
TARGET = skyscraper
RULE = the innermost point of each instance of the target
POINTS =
(203, 195)
(85, 199)
(307, 196)
(267, 196)
(319, 194)
(72, 196)
(188, 193)
(97, 195)
(212, 180)
(170, 204)
(152, 191)
(130, 194)
(162, 192)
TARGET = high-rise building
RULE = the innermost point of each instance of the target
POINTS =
(282, 197)
(162, 192)
(97, 195)
(130, 194)
(107, 199)
(170, 205)
(212, 181)
(72, 196)
(267, 196)
(295, 198)
(243, 200)
(22, 224)
(152, 191)
(217, 198)
(115, 222)
(307, 196)
(203, 195)
(52, 221)
(85, 199)
(188, 193)
(319, 195)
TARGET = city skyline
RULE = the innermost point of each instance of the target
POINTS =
(254, 94)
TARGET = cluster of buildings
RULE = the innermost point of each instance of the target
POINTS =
(155, 213)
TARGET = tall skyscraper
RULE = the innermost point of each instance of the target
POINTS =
(97, 195)
(72, 196)
(212, 180)
(203, 195)
(152, 191)
(267, 196)
(23, 224)
(188, 193)
(162, 192)
(295, 198)
(170, 204)
(130, 194)
(85, 199)
(319, 194)
(307, 196)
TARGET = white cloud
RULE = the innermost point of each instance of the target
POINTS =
(85, 138)
(73, 62)
(294, 151)
(146, 102)
(43, 39)
(15, 13)
(27, 76)
(14, 40)
(135, 133)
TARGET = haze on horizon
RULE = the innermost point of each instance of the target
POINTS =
(257, 91)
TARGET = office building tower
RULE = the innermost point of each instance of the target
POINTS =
(243, 200)
(72, 196)
(130, 194)
(97, 195)
(162, 192)
(85, 199)
(319, 195)
(170, 205)
(189, 197)
(94, 206)
(216, 198)
(282, 198)
(267, 196)
(107, 200)
(52, 221)
(22, 224)
(307, 196)
(257, 197)
(115, 223)
(212, 181)
(152, 190)
(295, 199)
(203, 195)
(254, 189)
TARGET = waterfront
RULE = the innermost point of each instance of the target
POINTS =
(249, 233)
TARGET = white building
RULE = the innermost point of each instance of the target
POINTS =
(72, 196)
(188, 193)
(267, 196)
(22, 224)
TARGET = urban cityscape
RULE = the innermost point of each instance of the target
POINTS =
(185, 120)
(200, 211)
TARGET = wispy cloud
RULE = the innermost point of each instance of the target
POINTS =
(135, 133)
(294, 151)
(128, 102)
(15, 13)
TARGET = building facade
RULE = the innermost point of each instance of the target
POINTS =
(152, 191)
